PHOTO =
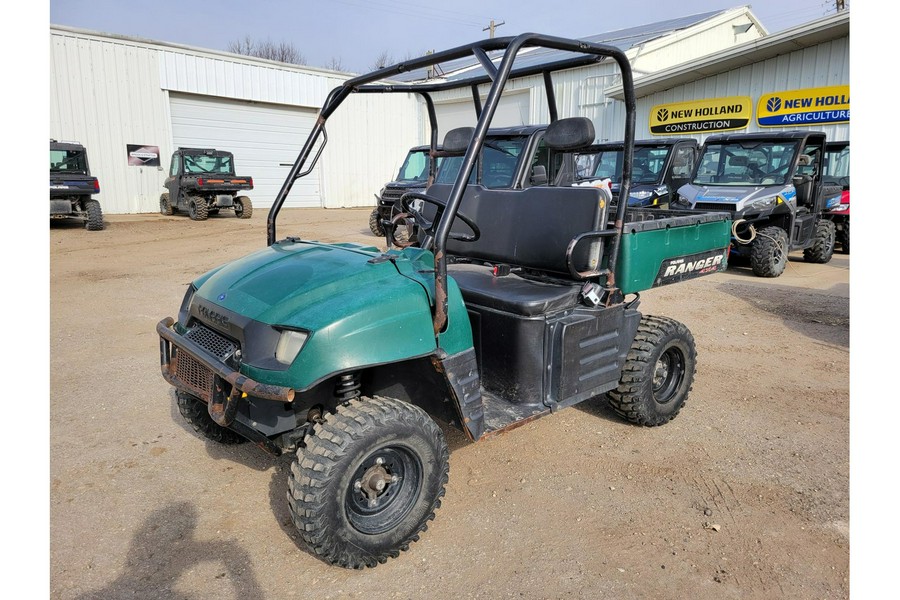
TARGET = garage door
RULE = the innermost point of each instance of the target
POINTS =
(261, 136)
(513, 110)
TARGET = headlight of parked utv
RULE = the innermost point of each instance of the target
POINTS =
(641, 195)
(289, 345)
(185, 310)
(763, 203)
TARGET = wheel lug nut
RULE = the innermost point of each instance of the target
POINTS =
(357, 484)
(379, 461)
(394, 479)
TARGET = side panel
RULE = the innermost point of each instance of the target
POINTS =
(676, 242)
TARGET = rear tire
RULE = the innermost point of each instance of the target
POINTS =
(823, 247)
(658, 373)
(195, 412)
(197, 208)
(367, 481)
(375, 224)
(165, 208)
(769, 252)
(243, 208)
(94, 220)
(845, 237)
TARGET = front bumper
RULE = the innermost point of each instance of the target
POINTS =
(191, 368)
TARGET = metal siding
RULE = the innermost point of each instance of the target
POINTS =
(369, 136)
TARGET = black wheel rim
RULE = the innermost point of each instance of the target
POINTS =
(779, 251)
(383, 489)
(668, 375)
(192, 210)
(238, 208)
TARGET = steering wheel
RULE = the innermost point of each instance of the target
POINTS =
(429, 228)
(779, 173)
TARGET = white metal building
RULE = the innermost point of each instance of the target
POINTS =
(109, 92)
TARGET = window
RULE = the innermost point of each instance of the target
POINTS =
(204, 163)
(67, 161)
(746, 163)
(415, 167)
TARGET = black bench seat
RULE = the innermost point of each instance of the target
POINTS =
(512, 293)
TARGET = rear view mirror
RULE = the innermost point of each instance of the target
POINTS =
(539, 175)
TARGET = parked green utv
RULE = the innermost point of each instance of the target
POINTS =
(511, 305)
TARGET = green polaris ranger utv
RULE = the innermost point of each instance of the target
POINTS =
(511, 305)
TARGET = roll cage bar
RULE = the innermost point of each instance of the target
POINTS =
(586, 53)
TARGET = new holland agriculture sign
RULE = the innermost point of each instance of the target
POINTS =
(701, 116)
(812, 106)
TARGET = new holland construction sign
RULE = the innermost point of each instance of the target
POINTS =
(701, 116)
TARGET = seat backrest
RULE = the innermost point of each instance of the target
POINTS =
(529, 228)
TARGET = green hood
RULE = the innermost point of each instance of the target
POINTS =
(358, 312)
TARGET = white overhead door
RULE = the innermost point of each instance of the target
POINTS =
(513, 110)
(261, 137)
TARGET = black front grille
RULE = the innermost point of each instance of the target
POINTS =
(217, 345)
(715, 207)
(194, 375)
(392, 194)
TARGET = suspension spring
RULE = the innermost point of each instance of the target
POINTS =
(347, 387)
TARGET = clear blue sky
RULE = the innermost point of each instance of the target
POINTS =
(356, 32)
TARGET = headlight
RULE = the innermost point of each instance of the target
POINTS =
(289, 345)
(641, 195)
(764, 203)
(184, 311)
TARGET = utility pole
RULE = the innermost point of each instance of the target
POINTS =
(493, 26)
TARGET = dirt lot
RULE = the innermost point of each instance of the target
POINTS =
(744, 495)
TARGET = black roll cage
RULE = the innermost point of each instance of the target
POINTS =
(586, 53)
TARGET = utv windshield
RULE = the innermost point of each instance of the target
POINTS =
(415, 167)
(747, 163)
(203, 163)
(837, 166)
(496, 166)
(648, 166)
(68, 161)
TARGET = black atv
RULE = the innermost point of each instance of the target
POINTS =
(774, 187)
(202, 182)
(72, 186)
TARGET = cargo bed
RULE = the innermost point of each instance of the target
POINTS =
(660, 247)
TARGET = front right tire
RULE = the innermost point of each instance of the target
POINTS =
(367, 480)
(823, 247)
